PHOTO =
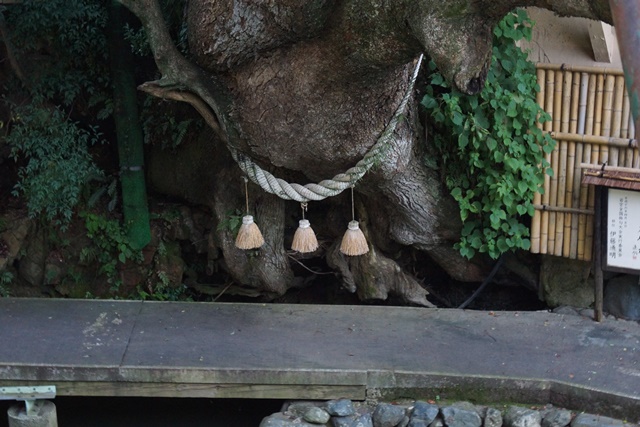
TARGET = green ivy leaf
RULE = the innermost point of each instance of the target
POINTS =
(463, 140)
(502, 244)
(491, 148)
(437, 79)
(429, 102)
(523, 187)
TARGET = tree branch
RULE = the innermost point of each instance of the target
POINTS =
(190, 98)
(180, 76)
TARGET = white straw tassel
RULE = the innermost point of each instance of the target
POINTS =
(354, 243)
(249, 236)
(304, 240)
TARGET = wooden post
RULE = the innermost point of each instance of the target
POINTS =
(602, 41)
(555, 162)
(591, 106)
(586, 227)
(597, 255)
(537, 197)
(548, 126)
(617, 156)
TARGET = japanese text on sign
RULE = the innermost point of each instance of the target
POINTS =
(623, 229)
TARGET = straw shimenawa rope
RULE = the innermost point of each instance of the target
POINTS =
(337, 184)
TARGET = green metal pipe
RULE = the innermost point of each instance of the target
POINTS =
(128, 131)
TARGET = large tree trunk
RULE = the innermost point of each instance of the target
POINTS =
(306, 88)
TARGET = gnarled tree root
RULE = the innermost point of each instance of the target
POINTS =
(374, 277)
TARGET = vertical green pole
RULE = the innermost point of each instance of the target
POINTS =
(128, 131)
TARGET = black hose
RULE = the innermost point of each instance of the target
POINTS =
(484, 284)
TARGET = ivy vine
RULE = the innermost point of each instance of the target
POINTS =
(491, 151)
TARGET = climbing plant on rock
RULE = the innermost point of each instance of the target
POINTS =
(492, 152)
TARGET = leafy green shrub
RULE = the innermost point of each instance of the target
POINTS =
(110, 246)
(6, 277)
(491, 149)
(57, 163)
(61, 44)
(61, 48)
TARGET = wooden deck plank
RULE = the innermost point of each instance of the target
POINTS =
(66, 332)
(192, 390)
(115, 348)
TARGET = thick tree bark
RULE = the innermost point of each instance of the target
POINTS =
(307, 88)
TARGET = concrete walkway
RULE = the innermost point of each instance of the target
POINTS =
(133, 348)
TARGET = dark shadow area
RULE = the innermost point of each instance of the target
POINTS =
(156, 412)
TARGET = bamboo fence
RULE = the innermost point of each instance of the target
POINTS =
(591, 124)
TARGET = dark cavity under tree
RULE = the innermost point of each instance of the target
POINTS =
(305, 89)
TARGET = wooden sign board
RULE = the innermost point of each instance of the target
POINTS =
(622, 238)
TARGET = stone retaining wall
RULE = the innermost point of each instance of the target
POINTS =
(345, 413)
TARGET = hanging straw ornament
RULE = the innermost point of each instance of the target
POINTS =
(304, 240)
(249, 236)
(353, 242)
